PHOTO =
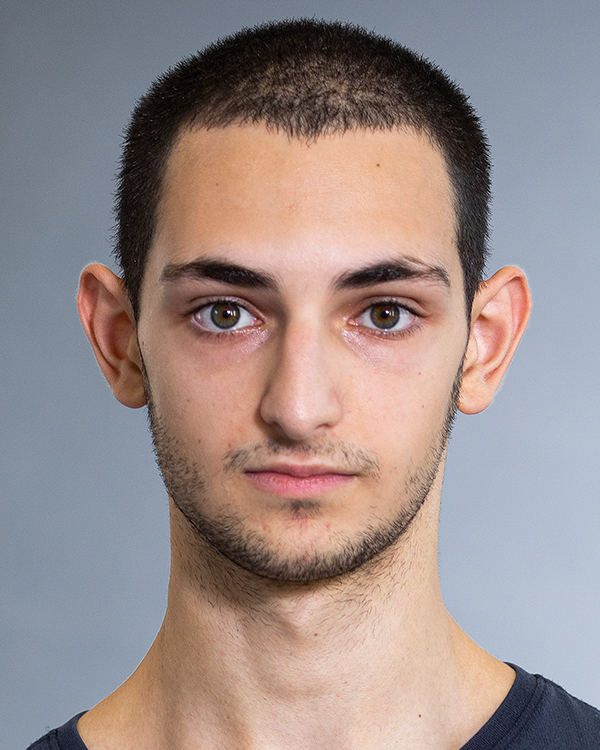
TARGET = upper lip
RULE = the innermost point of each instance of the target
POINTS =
(301, 470)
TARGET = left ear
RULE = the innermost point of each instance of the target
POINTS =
(499, 316)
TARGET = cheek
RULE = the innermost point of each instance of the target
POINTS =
(203, 402)
(400, 407)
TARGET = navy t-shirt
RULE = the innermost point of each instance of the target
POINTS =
(536, 714)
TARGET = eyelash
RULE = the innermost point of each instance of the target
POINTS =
(222, 301)
(410, 329)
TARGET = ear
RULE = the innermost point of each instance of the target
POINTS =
(499, 317)
(107, 318)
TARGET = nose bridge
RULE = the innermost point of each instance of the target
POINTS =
(303, 392)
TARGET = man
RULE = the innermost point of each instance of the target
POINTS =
(302, 218)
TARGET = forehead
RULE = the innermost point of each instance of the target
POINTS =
(258, 197)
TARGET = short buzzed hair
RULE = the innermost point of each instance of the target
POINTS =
(306, 78)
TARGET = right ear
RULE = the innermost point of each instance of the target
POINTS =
(108, 320)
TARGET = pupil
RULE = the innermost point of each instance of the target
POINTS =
(385, 316)
(225, 315)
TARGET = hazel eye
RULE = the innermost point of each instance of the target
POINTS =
(386, 316)
(223, 315)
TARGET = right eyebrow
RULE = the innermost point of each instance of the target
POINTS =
(220, 270)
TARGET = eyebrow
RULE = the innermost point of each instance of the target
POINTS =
(397, 269)
(371, 275)
(219, 270)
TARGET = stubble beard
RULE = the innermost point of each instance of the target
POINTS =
(229, 535)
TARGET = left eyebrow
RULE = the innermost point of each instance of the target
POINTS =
(229, 273)
(394, 270)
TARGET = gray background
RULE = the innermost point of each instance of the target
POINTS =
(83, 525)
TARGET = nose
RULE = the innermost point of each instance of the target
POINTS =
(302, 393)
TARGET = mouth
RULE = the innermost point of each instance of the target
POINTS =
(298, 480)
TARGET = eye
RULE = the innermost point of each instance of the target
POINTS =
(224, 315)
(386, 316)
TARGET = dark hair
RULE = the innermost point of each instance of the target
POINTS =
(306, 78)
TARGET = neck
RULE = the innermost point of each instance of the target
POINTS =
(367, 660)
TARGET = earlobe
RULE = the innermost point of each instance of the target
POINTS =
(108, 321)
(500, 313)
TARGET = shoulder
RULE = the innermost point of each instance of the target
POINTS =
(537, 714)
(549, 718)
(63, 738)
(557, 719)
(47, 742)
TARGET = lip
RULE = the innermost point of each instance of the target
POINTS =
(302, 470)
(299, 481)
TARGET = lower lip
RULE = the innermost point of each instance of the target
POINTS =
(286, 485)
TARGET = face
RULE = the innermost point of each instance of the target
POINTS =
(302, 329)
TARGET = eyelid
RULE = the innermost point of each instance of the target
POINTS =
(403, 306)
(250, 310)
(209, 302)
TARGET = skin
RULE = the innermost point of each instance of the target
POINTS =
(297, 432)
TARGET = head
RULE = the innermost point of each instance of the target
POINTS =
(302, 243)
(305, 79)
